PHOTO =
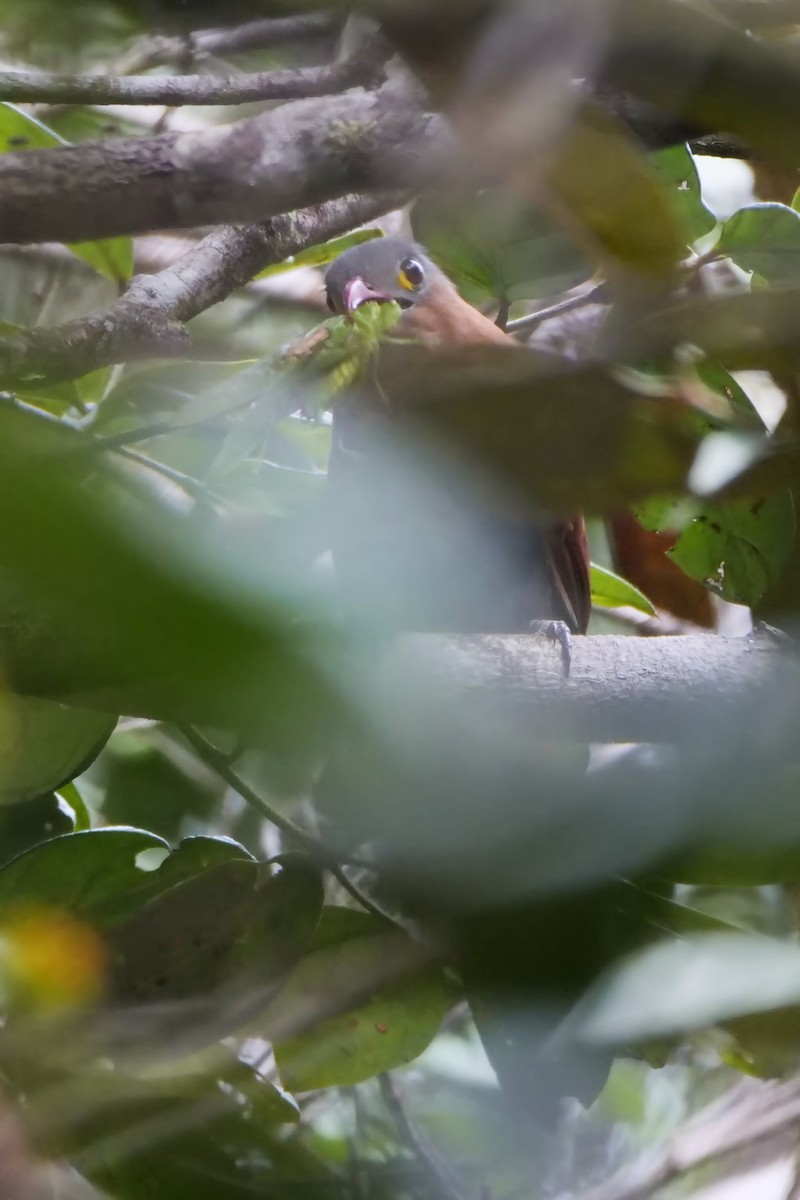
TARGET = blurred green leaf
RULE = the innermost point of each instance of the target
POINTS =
(738, 548)
(492, 244)
(236, 1155)
(320, 256)
(301, 443)
(602, 177)
(223, 940)
(742, 866)
(161, 616)
(677, 987)
(349, 1038)
(764, 239)
(109, 874)
(146, 392)
(89, 873)
(612, 591)
(744, 412)
(20, 130)
(43, 744)
(181, 943)
(29, 822)
(213, 1122)
(676, 167)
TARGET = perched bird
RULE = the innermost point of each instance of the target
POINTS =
(439, 547)
(444, 552)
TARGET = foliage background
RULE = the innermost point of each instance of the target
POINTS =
(281, 910)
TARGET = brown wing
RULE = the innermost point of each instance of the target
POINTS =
(447, 318)
(447, 563)
(568, 564)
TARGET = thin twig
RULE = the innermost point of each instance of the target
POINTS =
(194, 487)
(531, 320)
(435, 1167)
(214, 757)
(363, 69)
(254, 35)
(129, 437)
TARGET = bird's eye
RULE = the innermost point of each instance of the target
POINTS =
(411, 274)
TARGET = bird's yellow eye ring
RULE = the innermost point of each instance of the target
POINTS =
(411, 274)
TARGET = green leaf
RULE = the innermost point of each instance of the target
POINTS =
(174, 1131)
(743, 410)
(170, 619)
(320, 256)
(603, 179)
(764, 239)
(88, 873)
(677, 987)
(738, 548)
(612, 591)
(391, 1026)
(20, 130)
(301, 443)
(105, 874)
(233, 929)
(44, 744)
(69, 793)
(492, 244)
(112, 257)
(30, 822)
(676, 168)
(740, 866)
(154, 1150)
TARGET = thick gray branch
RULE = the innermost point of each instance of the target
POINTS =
(619, 688)
(148, 321)
(363, 69)
(297, 155)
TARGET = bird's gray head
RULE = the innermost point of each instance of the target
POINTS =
(382, 270)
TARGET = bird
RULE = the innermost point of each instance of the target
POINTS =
(445, 552)
(423, 534)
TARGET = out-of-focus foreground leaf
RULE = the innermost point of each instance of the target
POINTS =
(131, 612)
(44, 745)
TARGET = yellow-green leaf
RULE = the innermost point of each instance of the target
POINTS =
(112, 257)
(612, 591)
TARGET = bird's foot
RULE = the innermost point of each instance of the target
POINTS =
(558, 632)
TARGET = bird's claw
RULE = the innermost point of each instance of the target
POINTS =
(557, 631)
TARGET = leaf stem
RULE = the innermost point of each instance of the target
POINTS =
(215, 758)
